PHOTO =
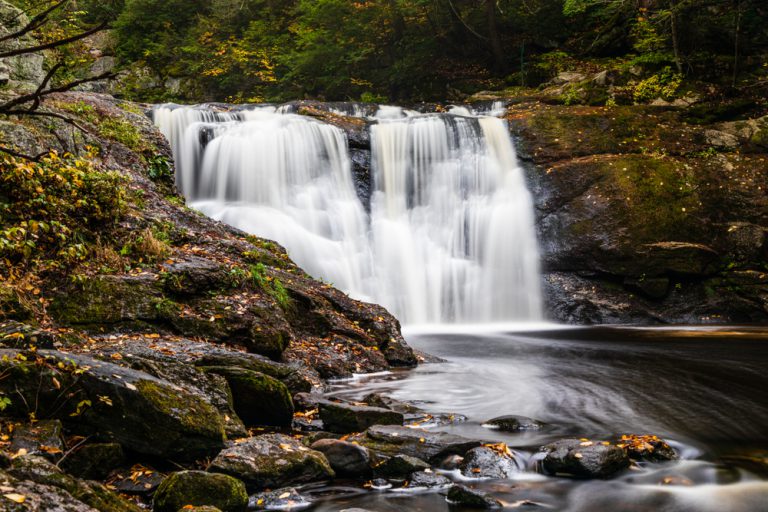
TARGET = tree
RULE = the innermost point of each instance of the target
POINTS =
(15, 44)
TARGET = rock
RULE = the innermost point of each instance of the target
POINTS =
(513, 424)
(566, 77)
(38, 497)
(680, 258)
(345, 418)
(139, 480)
(433, 447)
(601, 78)
(18, 335)
(584, 459)
(295, 380)
(143, 413)
(721, 139)
(258, 399)
(36, 469)
(200, 488)
(486, 462)
(307, 401)
(647, 448)
(464, 496)
(271, 461)
(399, 466)
(281, 499)
(94, 461)
(385, 402)
(651, 287)
(193, 275)
(40, 438)
(345, 458)
(205, 508)
(428, 480)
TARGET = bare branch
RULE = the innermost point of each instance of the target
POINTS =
(54, 44)
(35, 23)
(9, 151)
(39, 94)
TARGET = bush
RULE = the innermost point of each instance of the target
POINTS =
(662, 85)
(52, 208)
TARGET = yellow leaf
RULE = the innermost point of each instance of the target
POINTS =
(18, 498)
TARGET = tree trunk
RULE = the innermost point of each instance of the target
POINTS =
(675, 41)
(497, 49)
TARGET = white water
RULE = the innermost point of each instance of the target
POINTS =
(450, 234)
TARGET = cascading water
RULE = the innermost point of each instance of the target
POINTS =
(449, 236)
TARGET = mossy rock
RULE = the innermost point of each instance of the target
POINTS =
(258, 399)
(94, 461)
(199, 488)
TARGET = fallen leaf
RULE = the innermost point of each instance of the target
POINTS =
(18, 498)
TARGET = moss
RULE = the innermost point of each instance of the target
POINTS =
(199, 488)
(194, 415)
(122, 131)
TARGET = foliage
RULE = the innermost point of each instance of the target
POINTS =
(51, 208)
(271, 285)
(662, 85)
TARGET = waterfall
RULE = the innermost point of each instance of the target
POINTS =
(449, 236)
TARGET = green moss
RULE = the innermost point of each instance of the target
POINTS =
(124, 132)
(199, 488)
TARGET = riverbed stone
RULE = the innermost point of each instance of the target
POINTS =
(487, 462)
(433, 447)
(200, 488)
(464, 496)
(427, 479)
(649, 448)
(584, 459)
(345, 418)
(345, 458)
(511, 423)
(272, 461)
(258, 398)
(399, 466)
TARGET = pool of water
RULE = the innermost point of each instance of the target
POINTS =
(704, 390)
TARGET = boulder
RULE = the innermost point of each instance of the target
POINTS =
(281, 499)
(345, 458)
(584, 459)
(295, 380)
(142, 413)
(399, 466)
(23, 495)
(136, 481)
(344, 418)
(489, 462)
(94, 461)
(258, 398)
(649, 448)
(271, 461)
(467, 497)
(433, 447)
(199, 488)
(513, 424)
(385, 402)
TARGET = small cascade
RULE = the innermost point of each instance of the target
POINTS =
(449, 236)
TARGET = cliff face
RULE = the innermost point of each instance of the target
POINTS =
(644, 216)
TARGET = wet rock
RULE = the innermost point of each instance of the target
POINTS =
(205, 508)
(426, 420)
(193, 275)
(514, 424)
(295, 380)
(258, 399)
(307, 401)
(143, 413)
(584, 459)
(651, 287)
(281, 499)
(345, 458)
(200, 488)
(432, 447)
(138, 480)
(271, 461)
(37, 497)
(487, 462)
(40, 471)
(345, 418)
(399, 466)
(18, 335)
(94, 461)
(647, 448)
(428, 480)
(464, 496)
(39, 438)
(385, 402)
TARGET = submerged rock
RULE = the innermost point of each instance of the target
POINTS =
(584, 459)
(200, 488)
(345, 418)
(489, 462)
(433, 447)
(272, 460)
(514, 424)
(345, 458)
(464, 496)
